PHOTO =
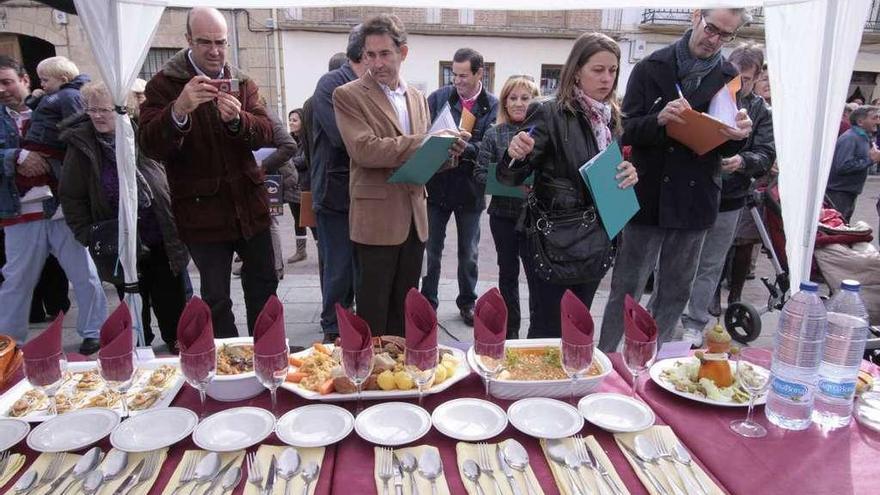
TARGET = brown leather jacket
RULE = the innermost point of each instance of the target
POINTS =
(217, 190)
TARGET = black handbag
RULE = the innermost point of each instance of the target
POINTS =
(567, 246)
(104, 249)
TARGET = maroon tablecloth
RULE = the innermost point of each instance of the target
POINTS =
(844, 461)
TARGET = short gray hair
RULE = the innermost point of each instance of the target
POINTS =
(745, 15)
(861, 112)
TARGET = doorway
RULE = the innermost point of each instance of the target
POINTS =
(33, 50)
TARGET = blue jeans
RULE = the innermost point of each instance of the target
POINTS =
(27, 246)
(467, 224)
(336, 253)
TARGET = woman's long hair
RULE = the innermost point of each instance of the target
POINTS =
(587, 45)
(302, 123)
(513, 83)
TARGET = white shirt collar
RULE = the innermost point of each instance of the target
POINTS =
(199, 71)
(401, 88)
(479, 90)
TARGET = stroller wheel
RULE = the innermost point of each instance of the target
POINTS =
(742, 322)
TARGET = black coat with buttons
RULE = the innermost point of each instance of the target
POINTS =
(677, 189)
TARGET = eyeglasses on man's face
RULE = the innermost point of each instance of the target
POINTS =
(712, 30)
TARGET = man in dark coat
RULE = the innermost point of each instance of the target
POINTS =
(854, 154)
(329, 170)
(205, 137)
(678, 190)
(455, 191)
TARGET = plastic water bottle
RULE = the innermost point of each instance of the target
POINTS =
(797, 352)
(844, 347)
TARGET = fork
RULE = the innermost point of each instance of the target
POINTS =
(51, 472)
(386, 470)
(580, 451)
(663, 452)
(660, 444)
(147, 471)
(255, 476)
(4, 460)
(188, 474)
(486, 465)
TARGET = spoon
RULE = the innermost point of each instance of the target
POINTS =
(113, 466)
(645, 449)
(231, 479)
(472, 472)
(560, 454)
(86, 464)
(26, 482)
(309, 473)
(288, 466)
(681, 455)
(517, 458)
(206, 470)
(430, 467)
(409, 464)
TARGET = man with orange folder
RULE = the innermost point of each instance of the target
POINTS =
(678, 189)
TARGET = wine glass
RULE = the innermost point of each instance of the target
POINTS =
(638, 356)
(421, 365)
(490, 360)
(199, 369)
(271, 370)
(753, 375)
(118, 373)
(358, 365)
(576, 361)
(46, 374)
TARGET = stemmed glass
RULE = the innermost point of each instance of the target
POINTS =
(421, 365)
(198, 370)
(490, 360)
(271, 369)
(753, 375)
(638, 356)
(46, 374)
(576, 361)
(358, 365)
(118, 373)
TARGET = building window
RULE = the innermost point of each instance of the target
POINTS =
(433, 16)
(155, 60)
(465, 16)
(550, 78)
(488, 75)
(295, 14)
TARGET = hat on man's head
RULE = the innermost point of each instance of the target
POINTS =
(139, 85)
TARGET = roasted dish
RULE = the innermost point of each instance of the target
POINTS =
(235, 359)
(536, 363)
(321, 371)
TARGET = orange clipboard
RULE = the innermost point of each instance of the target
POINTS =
(306, 213)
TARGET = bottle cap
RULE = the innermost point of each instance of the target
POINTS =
(851, 285)
(809, 286)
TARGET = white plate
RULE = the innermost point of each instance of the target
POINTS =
(154, 429)
(469, 420)
(168, 393)
(73, 431)
(558, 389)
(660, 366)
(462, 371)
(316, 425)
(545, 418)
(616, 413)
(867, 410)
(234, 429)
(12, 431)
(392, 423)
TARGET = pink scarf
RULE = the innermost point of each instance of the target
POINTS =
(599, 115)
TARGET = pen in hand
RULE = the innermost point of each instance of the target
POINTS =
(512, 163)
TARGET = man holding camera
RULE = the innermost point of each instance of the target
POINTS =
(202, 118)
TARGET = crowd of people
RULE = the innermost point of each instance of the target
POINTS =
(201, 193)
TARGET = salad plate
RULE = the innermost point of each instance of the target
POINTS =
(679, 376)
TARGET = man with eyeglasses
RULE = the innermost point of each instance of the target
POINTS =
(205, 135)
(678, 190)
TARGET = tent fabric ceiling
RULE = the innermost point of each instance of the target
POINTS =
(63, 5)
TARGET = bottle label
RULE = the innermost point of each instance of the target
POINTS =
(838, 390)
(794, 392)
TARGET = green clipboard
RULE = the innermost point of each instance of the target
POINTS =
(616, 206)
(425, 162)
(495, 188)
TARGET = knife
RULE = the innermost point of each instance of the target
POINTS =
(58, 482)
(130, 480)
(611, 482)
(398, 474)
(638, 460)
(217, 479)
(505, 468)
(270, 477)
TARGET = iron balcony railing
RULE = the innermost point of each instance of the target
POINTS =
(683, 17)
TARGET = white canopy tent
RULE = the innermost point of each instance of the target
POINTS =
(811, 47)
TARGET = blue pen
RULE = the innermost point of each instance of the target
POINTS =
(678, 88)
(529, 133)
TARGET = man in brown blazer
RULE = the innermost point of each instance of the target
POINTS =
(383, 122)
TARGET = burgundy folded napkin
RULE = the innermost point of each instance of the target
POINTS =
(116, 333)
(269, 329)
(39, 370)
(195, 331)
(490, 318)
(638, 324)
(353, 330)
(421, 322)
(577, 323)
